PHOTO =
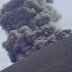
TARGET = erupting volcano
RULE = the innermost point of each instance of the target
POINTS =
(30, 25)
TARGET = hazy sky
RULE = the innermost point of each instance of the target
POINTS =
(63, 6)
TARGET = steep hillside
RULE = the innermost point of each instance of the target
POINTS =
(52, 58)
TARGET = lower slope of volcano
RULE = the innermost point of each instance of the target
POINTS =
(53, 58)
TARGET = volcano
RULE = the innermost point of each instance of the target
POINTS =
(56, 57)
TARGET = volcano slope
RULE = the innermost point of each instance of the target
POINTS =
(56, 57)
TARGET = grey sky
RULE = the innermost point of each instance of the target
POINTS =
(4, 59)
(63, 6)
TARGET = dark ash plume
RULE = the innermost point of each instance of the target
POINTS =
(32, 13)
(29, 24)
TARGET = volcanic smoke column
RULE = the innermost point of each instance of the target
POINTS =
(30, 25)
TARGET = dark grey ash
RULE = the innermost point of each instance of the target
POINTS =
(30, 25)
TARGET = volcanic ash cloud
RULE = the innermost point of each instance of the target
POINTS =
(30, 25)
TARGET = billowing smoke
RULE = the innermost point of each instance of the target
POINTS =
(30, 25)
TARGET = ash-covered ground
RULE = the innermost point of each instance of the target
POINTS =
(30, 25)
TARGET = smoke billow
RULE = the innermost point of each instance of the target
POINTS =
(30, 25)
